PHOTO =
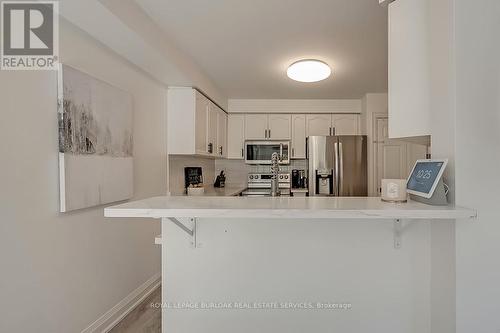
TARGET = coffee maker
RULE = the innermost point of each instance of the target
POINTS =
(299, 179)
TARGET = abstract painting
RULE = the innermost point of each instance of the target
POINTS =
(95, 141)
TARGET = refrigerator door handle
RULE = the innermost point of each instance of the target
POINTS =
(341, 169)
(336, 171)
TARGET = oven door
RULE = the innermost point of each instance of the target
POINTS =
(260, 152)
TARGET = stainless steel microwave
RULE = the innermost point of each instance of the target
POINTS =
(259, 152)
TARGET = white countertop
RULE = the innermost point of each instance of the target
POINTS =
(210, 191)
(284, 207)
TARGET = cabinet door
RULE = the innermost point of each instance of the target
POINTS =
(345, 124)
(236, 136)
(212, 129)
(318, 124)
(298, 136)
(221, 133)
(201, 118)
(256, 126)
(280, 126)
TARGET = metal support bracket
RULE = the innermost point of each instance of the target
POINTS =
(191, 232)
(397, 229)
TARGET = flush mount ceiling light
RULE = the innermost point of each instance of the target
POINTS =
(309, 70)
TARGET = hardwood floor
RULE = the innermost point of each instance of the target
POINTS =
(144, 318)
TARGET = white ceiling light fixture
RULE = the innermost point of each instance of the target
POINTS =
(309, 70)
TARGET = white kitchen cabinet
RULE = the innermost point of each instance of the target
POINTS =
(256, 126)
(345, 124)
(212, 129)
(200, 120)
(195, 125)
(332, 124)
(298, 136)
(279, 127)
(268, 126)
(235, 136)
(409, 68)
(318, 124)
(221, 150)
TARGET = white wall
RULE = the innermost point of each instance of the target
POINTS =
(442, 113)
(287, 260)
(477, 164)
(60, 272)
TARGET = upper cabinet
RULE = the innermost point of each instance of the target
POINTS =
(212, 129)
(221, 133)
(235, 136)
(345, 124)
(409, 69)
(268, 126)
(196, 126)
(200, 121)
(332, 124)
(256, 126)
(318, 124)
(279, 126)
(298, 136)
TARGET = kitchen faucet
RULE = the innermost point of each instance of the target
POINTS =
(275, 169)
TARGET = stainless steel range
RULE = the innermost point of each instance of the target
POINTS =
(259, 184)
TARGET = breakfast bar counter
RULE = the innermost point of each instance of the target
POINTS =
(226, 259)
(284, 207)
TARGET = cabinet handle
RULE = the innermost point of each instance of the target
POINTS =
(269, 133)
(329, 131)
(293, 152)
(265, 133)
(242, 150)
(210, 148)
(333, 130)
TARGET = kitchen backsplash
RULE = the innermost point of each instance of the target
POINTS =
(237, 171)
(177, 163)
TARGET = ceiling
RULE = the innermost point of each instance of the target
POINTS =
(246, 46)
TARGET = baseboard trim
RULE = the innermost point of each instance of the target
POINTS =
(112, 317)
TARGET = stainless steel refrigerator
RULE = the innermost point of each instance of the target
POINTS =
(337, 165)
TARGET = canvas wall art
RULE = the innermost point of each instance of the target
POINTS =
(95, 141)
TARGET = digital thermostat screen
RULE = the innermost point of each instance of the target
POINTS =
(423, 176)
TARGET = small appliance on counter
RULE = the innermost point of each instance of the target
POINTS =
(299, 183)
(425, 183)
(299, 180)
(394, 190)
(193, 180)
(220, 181)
